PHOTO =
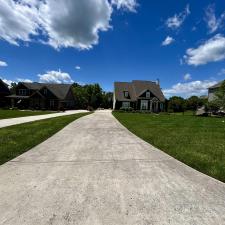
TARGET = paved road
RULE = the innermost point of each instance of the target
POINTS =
(95, 172)
(26, 119)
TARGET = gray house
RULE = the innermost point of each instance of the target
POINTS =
(212, 90)
(140, 95)
(43, 96)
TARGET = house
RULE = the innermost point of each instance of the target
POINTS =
(139, 95)
(212, 90)
(43, 96)
(4, 91)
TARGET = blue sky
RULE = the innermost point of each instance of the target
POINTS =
(182, 43)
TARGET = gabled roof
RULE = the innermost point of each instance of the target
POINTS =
(136, 88)
(59, 90)
(32, 86)
(121, 87)
(217, 85)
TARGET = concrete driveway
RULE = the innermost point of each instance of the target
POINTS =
(26, 119)
(95, 172)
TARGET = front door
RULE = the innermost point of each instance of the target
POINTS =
(144, 104)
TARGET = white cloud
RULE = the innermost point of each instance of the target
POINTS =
(9, 82)
(55, 77)
(77, 67)
(2, 63)
(24, 80)
(213, 23)
(169, 40)
(187, 76)
(222, 72)
(71, 23)
(177, 20)
(18, 21)
(212, 50)
(190, 88)
(78, 24)
(125, 4)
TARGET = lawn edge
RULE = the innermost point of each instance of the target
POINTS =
(156, 148)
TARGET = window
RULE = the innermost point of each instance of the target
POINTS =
(148, 94)
(45, 91)
(52, 103)
(144, 104)
(22, 92)
(126, 94)
(125, 104)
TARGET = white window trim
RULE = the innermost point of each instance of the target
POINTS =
(145, 104)
(126, 94)
(125, 105)
(23, 92)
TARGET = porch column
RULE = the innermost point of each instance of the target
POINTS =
(150, 106)
(12, 102)
(157, 106)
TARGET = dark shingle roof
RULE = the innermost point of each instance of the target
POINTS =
(217, 85)
(136, 88)
(59, 90)
(120, 87)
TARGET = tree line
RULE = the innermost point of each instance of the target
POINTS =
(179, 104)
(91, 96)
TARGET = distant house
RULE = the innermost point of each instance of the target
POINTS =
(43, 96)
(140, 95)
(212, 90)
(4, 91)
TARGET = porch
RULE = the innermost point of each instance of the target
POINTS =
(150, 105)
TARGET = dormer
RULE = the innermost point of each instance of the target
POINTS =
(126, 94)
(146, 94)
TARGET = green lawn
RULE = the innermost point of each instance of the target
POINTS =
(15, 140)
(5, 113)
(197, 141)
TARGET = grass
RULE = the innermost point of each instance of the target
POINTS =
(15, 140)
(5, 113)
(197, 141)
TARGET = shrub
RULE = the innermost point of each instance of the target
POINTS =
(129, 109)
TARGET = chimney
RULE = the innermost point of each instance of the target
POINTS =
(158, 82)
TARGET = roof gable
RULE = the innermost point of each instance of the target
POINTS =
(217, 85)
(136, 88)
(59, 90)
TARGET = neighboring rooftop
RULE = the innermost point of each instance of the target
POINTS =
(59, 90)
(217, 85)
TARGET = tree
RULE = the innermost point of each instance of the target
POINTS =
(107, 100)
(176, 104)
(194, 102)
(91, 95)
(80, 96)
(13, 88)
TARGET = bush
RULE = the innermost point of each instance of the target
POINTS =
(129, 109)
